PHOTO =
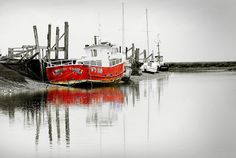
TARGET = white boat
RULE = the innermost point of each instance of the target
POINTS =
(151, 66)
(127, 71)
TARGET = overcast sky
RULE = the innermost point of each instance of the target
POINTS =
(190, 30)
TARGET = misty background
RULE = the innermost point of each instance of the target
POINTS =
(190, 30)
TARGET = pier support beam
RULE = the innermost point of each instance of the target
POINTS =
(38, 52)
(126, 53)
(144, 55)
(66, 40)
(137, 55)
(48, 56)
(133, 49)
(36, 40)
(57, 43)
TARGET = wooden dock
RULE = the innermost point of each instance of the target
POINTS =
(30, 60)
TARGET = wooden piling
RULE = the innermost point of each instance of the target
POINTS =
(66, 40)
(144, 55)
(48, 56)
(38, 51)
(10, 52)
(135, 64)
(57, 43)
(126, 53)
(133, 50)
(137, 55)
(36, 39)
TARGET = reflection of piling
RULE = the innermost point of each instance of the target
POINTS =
(38, 123)
(11, 114)
(124, 136)
(49, 123)
(67, 126)
(159, 97)
(58, 124)
(33, 107)
(148, 119)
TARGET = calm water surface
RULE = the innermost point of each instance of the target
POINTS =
(178, 115)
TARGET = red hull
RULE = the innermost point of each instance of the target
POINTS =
(74, 74)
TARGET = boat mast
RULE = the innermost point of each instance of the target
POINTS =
(99, 29)
(158, 52)
(148, 51)
(158, 49)
(123, 28)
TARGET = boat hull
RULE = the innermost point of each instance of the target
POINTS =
(77, 74)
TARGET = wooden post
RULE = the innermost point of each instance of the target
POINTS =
(38, 51)
(36, 40)
(10, 52)
(126, 52)
(48, 56)
(66, 40)
(27, 52)
(31, 53)
(57, 43)
(137, 54)
(133, 49)
(144, 55)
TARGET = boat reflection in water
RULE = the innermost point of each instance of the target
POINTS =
(84, 97)
(102, 103)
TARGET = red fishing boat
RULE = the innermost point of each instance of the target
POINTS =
(103, 63)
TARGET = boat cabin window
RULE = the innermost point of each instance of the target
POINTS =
(114, 62)
(86, 62)
(93, 63)
(150, 64)
(99, 63)
(94, 52)
(159, 58)
(114, 50)
(79, 62)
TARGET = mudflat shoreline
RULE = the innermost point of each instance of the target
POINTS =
(13, 82)
(201, 66)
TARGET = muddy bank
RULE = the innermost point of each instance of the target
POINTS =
(13, 82)
(9, 87)
(201, 66)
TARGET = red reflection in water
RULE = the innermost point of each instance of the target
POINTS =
(72, 96)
